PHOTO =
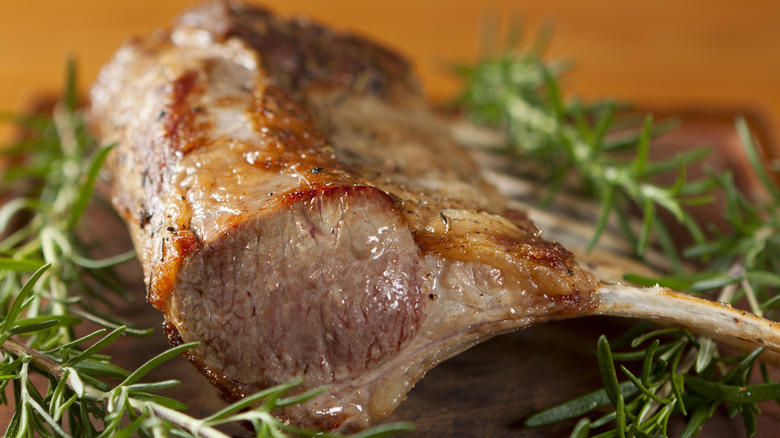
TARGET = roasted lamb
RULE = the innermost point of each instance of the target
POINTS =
(302, 213)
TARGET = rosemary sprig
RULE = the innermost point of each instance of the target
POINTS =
(581, 146)
(49, 286)
(741, 265)
(588, 148)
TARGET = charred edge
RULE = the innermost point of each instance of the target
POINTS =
(315, 168)
(186, 242)
(302, 53)
(183, 242)
(532, 250)
(526, 245)
(172, 334)
(438, 244)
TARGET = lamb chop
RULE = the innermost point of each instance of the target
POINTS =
(302, 213)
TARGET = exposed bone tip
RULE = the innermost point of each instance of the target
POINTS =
(713, 319)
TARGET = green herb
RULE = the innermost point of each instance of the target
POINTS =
(49, 286)
(591, 147)
(599, 152)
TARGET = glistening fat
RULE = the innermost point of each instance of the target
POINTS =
(301, 212)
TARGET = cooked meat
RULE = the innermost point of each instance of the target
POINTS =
(301, 212)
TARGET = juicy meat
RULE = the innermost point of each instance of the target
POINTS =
(301, 213)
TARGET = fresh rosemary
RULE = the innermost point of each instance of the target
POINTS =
(579, 145)
(585, 148)
(49, 287)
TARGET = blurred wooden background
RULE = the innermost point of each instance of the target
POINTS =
(720, 56)
(716, 57)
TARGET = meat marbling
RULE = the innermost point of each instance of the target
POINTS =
(302, 213)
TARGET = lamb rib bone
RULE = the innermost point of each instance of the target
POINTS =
(301, 212)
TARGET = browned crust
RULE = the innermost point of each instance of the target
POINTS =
(297, 57)
(525, 246)
(538, 266)
(293, 145)
(303, 54)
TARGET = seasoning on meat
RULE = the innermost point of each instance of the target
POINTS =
(301, 212)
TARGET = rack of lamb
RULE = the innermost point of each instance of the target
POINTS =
(301, 212)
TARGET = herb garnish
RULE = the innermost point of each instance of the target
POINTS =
(680, 374)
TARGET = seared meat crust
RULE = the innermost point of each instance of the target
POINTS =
(301, 212)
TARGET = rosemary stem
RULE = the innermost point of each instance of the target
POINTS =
(727, 293)
(46, 364)
(666, 389)
(751, 298)
(195, 426)
(64, 126)
(17, 348)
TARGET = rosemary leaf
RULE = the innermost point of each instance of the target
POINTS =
(755, 161)
(581, 429)
(32, 327)
(159, 400)
(23, 265)
(98, 346)
(246, 402)
(153, 387)
(734, 394)
(706, 352)
(385, 430)
(104, 263)
(130, 430)
(22, 298)
(85, 193)
(297, 399)
(577, 407)
(93, 368)
(155, 361)
(607, 371)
